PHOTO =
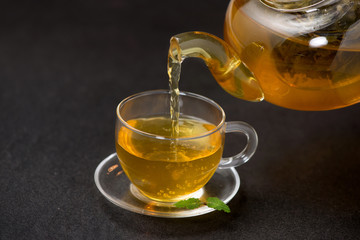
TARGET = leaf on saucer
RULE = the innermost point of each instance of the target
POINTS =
(217, 204)
(190, 203)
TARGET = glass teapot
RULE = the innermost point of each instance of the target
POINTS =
(297, 54)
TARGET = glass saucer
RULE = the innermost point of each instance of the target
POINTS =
(116, 187)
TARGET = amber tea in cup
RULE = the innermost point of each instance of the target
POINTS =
(165, 167)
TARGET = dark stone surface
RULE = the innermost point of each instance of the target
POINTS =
(65, 65)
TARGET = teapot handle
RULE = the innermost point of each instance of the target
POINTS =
(221, 59)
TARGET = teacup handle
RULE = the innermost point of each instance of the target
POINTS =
(248, 151)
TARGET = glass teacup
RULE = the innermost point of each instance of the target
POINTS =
(164, 167)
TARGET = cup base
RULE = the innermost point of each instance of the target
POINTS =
(116, 187)
(139, 195)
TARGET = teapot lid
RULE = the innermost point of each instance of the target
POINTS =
(291, 5)
(297, 17)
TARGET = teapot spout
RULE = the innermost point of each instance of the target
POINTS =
(223, 62)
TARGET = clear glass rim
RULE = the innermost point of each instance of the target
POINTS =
(167, 92)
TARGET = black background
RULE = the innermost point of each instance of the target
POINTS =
(64, 67)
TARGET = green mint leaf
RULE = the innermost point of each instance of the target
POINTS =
(190, 203)
(217, 204)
